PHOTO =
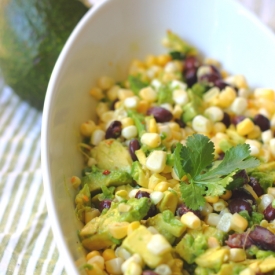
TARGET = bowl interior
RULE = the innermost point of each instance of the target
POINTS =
(105, 41)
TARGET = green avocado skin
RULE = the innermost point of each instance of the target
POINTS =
(32, 35)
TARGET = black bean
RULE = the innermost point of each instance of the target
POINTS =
(114, 130)
(242, 175)
(226, 119)
(142, 194)
(242, 193)
(209, 78)
(269, 213)
(255, 184)
(237, 119)
(180, 122)
(151, 212)
(191, 77)
(238, 205)
(262, 121)
(263, 238)
(104, 204)
(220, 84)
(182, 209)
(133, 146)
(191, 62)
(149, 272)
(160, 114)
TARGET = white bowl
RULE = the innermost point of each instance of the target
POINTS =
(108, 37)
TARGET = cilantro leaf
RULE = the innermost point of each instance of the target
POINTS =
(193, 195)
(236, 158)
(195, 160)
(136, 84)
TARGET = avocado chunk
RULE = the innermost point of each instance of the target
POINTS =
(98, 178)
(82, 202)
(167, 225)
(95, 235)
(110, 154)
(33, 34)
(189, 247)
(169, 201)
(137, 242)
(139, 175)
(213, 258)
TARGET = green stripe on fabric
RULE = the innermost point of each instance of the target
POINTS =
(21, 244)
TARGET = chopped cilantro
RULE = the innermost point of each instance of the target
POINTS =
(136, 84)
(195, 160)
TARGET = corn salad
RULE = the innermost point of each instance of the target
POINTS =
(135, 219)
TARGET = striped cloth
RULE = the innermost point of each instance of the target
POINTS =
(27, 245)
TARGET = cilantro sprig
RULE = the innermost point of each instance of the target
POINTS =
(206, 177)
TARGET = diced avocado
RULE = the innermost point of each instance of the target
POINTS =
(189, 248)
(169, 201)
(82, 202)
(110, 154)
(192, 108)
(211, 231)
(258, 253)
(231, 268)
(137, 242)
(213, 258)
(167, 224)
(139, 175)
(267, 265)
(95, 234)
(98, 178)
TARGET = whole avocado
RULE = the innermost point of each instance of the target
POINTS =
(32, 34)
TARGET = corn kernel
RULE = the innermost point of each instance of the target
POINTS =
(92, 254)
(87, 128)
(97, 136)
(202, 124)
(219, 205)
(113, 266)
(212, 219)
(158, 245)
(238, 223)
(237, 254)
(227, 195)
(163, 59)
(226, 97)
(191, 220)
(214, 113)
(129, 132)
(135, 258)
(211, 199)
(163, 269)
(264, 93)
(156, 161)
(98, 260)
(143, 106)
(131, 102)
(151, 139)
(97, 93)
(124, 93)
(177, 111)
(108, 254)
(162, 186)
(118, 230)
(206, 209)
(132, 226)
(148, 94)
(238, 81)
(154, 180)
(239, 105)
(151, 125)
(141, 156)
(245, 127)
(211, 95)
(127, 121)
(224, 223)
(156, 196)
(101, 108)
(180, 97)
(219, 127)
(213, 242)
(91, 214)
(113, 92)
(105, 82)
(255, 133)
